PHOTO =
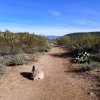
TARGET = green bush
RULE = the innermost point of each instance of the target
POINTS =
(64, 41)
(77, 47)
(23, 42)
(18, 48)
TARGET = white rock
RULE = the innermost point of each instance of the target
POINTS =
(91, 93)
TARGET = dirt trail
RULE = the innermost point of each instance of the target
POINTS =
(57, 85)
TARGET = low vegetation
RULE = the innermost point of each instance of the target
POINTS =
(84, 51)
(17, 48)
(2, 67)
(83, 47)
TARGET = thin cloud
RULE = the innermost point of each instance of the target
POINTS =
(86, 22)
(55, 13)
(91, 11)
(82, 22)
(85, 9)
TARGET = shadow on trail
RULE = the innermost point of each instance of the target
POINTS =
(75, 71)
(27, 75)
(60, 55)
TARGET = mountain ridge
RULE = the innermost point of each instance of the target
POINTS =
(52, 37)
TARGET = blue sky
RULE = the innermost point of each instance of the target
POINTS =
(50, 17)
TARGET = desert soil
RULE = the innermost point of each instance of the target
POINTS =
(58, 83)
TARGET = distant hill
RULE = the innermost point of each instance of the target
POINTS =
(80, 34)
(52, 37)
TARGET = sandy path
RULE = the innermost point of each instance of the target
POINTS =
(57, 85)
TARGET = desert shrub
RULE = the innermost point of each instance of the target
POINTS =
(18, 59)
(90, 40)
(86, 43)
(26, 42)
(23, 42)
(47, 45)
(95, 57)
(9, 41)
(90, 43)
(74, 51)
(30, 57)
(88, 67)
(84, 68)
(63, 41)
(41, 44)
(18, 48)
(2, 60)
(2, 68)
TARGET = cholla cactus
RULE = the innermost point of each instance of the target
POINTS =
(83, 57)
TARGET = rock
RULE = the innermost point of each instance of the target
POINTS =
(91, 93)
